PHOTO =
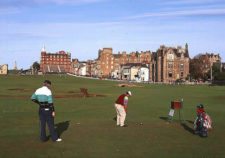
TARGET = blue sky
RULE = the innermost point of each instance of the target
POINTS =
(82, 27)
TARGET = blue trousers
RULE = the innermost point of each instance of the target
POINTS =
(45, 116)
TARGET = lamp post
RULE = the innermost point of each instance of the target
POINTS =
(211, 77)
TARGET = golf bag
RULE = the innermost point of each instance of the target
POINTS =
(202, 124)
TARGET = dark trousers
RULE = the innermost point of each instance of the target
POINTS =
(46, 117)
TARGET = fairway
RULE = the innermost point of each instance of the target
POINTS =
(87, 127)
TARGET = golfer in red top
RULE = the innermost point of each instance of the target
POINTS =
(121, 108)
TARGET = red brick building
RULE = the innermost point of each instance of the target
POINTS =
(167, 64)
(59, 62)
(109, 62)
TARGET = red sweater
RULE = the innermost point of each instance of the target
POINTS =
(120, 99)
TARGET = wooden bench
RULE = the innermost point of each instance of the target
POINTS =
(84, 92)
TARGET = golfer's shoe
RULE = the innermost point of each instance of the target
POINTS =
(124, 126)
(58, 140)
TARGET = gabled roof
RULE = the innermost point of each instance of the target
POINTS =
(162, 49)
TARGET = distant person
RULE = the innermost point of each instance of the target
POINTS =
(43, 97)
(203, 122)
(121, 108)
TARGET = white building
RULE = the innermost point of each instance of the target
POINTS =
(143, 75)
(82, 69)
(115, 74)
(135, 72)
(4, 69)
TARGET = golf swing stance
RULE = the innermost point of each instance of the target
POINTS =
(121, 108)
(43, 97)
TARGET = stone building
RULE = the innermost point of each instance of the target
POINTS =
(209, 59)
(4, 69)
(213, 58)
(170, 64)
(75, 64)
(109, 63)
(93, 68)
(90, 68)
(59, 62)
(167, 64)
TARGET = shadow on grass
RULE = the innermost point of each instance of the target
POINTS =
(164, 118)
(191, 122)
(61, 127)
(187, 128)
(183, 124)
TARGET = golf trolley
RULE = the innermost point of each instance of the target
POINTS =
(176, 106)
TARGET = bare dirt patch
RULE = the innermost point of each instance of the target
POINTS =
(79, 95)
(19, 89)
(69, 94)
(220, 97)
(128, 85)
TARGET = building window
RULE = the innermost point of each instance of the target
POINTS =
(182, 74)
(181, 67)
(170, 74)
(170, 65)
(170, 57)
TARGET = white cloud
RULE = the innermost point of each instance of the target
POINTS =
(218, 11)
(70, 1)
(186, 2)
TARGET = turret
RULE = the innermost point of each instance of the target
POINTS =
(43, 49)
(186, 47)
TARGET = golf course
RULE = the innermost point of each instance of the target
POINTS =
(87, 128)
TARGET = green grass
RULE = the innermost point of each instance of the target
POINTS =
(91, 131)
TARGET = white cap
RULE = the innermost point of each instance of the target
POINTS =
(129, 93)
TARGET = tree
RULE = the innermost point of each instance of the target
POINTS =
(218, 75)
(36, 67)
(200, 67)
